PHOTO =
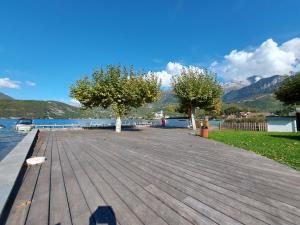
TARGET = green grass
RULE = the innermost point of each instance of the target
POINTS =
(282, 147)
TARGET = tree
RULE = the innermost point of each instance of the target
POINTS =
(197, 88)
(289, 91)
(232, 110)
(118, 89)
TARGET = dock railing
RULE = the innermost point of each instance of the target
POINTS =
(54, 126)
(125, 123)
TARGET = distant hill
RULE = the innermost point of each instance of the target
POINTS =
(264, 102)
(258, 94)
(261, 87)
(37, 109)
(167, 97)
(5, 97)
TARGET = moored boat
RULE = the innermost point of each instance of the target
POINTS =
(24, 124)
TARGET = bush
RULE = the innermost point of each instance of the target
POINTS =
(256, 119)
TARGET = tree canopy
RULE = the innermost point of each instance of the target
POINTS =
(116, 88)
(289, 91)
(198, 88)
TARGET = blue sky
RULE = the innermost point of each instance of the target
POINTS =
(53, 43)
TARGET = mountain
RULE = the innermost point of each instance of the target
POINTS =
(5, 97)
(262, 87)
(257, 95)
(232, 86)
(37, 109)
(166, 97)
(253, 79)
(265, 103)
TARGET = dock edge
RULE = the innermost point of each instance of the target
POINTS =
(12, 171)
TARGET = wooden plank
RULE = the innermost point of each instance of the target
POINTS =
(215, 215)
(225, 170)
(240, 211)
(80, 213)
(92, 196)
(181, 208)
(217, 205)
(168, 175)
(225, 183)
(193, 177)
(157, 206)
(242, 192)
(182, 185)
(59, 206)
(123, 213)
(235, 157)
(141, 210)
(137, 175)
(39, 209)
(169, 182)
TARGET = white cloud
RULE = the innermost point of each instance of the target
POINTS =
(268, 59)
(8, 83)
(172, 69)
(74, 102)
(30, 83)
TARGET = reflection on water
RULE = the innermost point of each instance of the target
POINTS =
(9, 138)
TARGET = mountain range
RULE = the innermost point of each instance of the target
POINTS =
(258, 94)
(10, 107)
(5, 97)
(256, 88)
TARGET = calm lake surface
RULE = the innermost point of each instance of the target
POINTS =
(9, 138)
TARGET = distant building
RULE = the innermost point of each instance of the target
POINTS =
(282, 124)
(253, 114)
(159, 115)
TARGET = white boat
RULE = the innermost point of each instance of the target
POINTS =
(2, 126)
(24, 125)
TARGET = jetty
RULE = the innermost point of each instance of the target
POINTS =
(150, 176)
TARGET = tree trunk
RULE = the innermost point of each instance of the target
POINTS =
(193, 120)
(118, 124)
(191, 112)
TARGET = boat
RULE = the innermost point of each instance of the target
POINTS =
(24, 124)
(2, 126)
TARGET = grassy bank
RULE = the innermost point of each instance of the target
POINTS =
(282, 147)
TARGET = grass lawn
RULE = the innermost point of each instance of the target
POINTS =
(282, 147)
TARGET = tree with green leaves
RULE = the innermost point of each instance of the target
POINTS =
(289, 91)
(116, 88)
(197, 88)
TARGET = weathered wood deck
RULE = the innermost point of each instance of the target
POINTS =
(153, 176)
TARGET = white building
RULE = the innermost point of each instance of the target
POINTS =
(282, 123)
(159, 115)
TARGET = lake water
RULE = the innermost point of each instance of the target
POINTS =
(9, 138)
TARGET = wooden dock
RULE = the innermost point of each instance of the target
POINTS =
(152, 176)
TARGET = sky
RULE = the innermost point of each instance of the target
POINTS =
(45, 46)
